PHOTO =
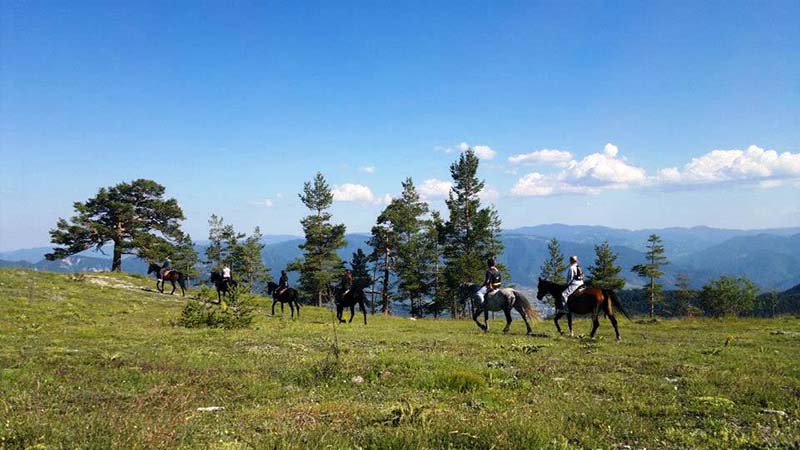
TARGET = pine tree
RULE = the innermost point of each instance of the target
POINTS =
(359, 266)
(184, 257)
(223, 245)
(652, 270)
(434, 242)
(553, 268)
(320, 265)
(133, 216)
(605, 272)
(246, 259)
(382, 255)
(471, 232)
(684, 295)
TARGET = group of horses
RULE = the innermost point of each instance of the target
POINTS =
(589, 300)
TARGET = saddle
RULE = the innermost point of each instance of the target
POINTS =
(165, 272)
(280, 291)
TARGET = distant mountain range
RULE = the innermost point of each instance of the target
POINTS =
(770, 258)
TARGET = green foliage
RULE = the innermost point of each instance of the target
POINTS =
(651, 270)
(605, 272)
(320, 265)
(234, 311)
(242, 253)
(461, 381)
(553, 268)
(684, 296)
(403, 227)
(471, 233)
(359, 266)
(728, 296)
(133, 216)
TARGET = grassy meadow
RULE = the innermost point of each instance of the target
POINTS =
(95, 362)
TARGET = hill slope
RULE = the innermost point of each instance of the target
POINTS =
(93, 362)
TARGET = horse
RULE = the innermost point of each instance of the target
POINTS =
(589, 300)
(289, 295)
(504, 299)
(349, 300)
(221, 284)
(172, 276)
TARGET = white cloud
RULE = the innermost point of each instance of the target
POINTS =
(489, 193)
(592, 174)
(351, 192)
(367, 169)
(434, 188)
(265, 203)
(543, 156)
(484, 152)
(481, 151)
(720, 166)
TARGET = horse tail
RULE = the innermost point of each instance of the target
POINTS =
(526, 305)
(609, 293)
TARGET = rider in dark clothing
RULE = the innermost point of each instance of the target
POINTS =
(166, 267)
(491, 281)
(346, 283)
(283, 282)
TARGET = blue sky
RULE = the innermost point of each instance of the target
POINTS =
(232, 105)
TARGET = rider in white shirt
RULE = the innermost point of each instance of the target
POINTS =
(574, 280)
(226, 273)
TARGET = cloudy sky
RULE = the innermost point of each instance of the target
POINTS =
(625, 114)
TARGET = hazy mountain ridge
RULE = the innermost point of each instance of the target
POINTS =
(768, 257)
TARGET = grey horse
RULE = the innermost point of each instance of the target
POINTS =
(504, 300)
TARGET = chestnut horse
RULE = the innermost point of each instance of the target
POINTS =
(590, 300)
(171, 275)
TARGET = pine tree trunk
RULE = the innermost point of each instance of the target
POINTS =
(652, 296)
(116, 263)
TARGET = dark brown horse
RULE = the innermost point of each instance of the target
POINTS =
(350, 299)
(590, 300)
(170, 275)
(288, 295)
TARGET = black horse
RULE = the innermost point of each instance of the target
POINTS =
(221, 284)
(170, 275)
(350, 299)
(590, 300)
(288, 295)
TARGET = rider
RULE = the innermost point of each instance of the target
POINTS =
(283, 283)
(226, 273)
(166, 267)
(574, 280)
(491, 281)
(346, 283)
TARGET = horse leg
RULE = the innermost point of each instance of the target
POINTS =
(291, 307)
(173, 287)
(352, 312)
(475, 315)
(274, 300)
(524, 315)
(612, 319)
(339, 311)
(486, 318)
(569, 323)
(555, 319)
(595, 321)
(281, 308)
(363, 310)
(507, 311)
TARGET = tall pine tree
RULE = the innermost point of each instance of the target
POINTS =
(605, 272)
(359, 266)
(553, 268)
(471, 232)
(320, 265)
(651, 270)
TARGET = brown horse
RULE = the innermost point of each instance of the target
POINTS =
(171, 275)
(590, 300)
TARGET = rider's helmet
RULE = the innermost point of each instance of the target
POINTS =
(490, 262)
(573, 259)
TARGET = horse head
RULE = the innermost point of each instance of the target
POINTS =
(153, 268)
(271, 286)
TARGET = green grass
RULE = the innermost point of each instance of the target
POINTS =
(90, 366)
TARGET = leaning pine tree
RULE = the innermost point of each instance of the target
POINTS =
(651, 270)
(472, 233)
(320, 265)
(134, 217)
